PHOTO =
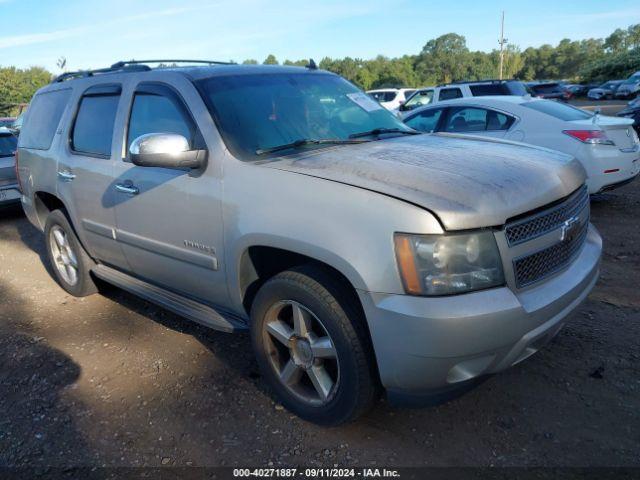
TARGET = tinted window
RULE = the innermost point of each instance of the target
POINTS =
(256, 112)
(8, 144)
(466, 119)
(426, 121)
(421, 98)
(469, 119)
(156, 113)
(93, 129)
(489, 89)
(44, 116)
(558, 110)
(449, 94)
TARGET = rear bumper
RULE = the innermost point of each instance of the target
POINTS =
(619, 166)
(436, 347)
(9, 194)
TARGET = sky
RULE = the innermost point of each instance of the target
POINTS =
(96, 33)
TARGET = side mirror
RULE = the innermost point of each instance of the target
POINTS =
(166, 150)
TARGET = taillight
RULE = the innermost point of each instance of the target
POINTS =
(17, 172)
(594, 137)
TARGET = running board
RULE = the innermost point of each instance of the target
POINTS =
(174, 302)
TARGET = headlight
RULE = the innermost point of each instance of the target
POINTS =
(448, 264)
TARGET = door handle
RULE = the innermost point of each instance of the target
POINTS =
(128, 189)
(66, 176)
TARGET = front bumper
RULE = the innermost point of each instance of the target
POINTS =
(430, 346)
(9, 194)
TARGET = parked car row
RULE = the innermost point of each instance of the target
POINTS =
(363, 255)
(429, 95)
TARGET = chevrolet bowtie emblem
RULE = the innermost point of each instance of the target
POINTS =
(569, 229)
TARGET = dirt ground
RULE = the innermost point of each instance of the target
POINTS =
(113, 380)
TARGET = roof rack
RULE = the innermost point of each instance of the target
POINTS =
(129, 66)
(485, 80)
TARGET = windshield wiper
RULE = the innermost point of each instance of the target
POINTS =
(379, 131)
(306, 141)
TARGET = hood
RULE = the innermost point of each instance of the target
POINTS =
(466, 182)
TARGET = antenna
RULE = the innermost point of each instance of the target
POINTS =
(503, 41)
(312, 65)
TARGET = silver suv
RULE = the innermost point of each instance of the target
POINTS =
(362, 256)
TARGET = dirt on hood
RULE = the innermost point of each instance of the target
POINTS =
(466, 182)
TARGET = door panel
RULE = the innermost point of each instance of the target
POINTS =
(171, 229)
(85, 172)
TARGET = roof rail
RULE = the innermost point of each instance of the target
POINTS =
(492, 80)
(124, 63)
(128, 66)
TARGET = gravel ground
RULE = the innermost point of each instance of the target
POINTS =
(113, 380)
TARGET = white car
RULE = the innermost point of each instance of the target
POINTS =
(607, 147)
(391, 98)
(451, 91)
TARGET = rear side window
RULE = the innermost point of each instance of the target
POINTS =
(43, 118)
(388, 96)
(558, 110)
(449, 94)
(485, 89)
(469, 119)
(8, 144)
(93, 129)
(158, 109)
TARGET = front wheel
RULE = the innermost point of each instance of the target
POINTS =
(312, 346)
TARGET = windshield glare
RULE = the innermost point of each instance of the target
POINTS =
(257, 112)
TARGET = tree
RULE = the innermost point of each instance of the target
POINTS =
(443, 59)
(17, 86)
(270, 60)
(250, 61)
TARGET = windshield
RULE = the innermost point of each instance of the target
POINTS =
(8, 144)
(259, 112)
(558, 110)
(632, 79)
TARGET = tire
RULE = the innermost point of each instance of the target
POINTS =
(328, 311)
(67, 256)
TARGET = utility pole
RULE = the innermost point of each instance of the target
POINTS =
(503, 41)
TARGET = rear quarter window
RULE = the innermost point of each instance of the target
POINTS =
(486, 89)
(558, 110)
(43, 118)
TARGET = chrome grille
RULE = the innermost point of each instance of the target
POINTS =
(531, 268)
(546, 220)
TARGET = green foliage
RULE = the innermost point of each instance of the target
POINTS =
(17, 86)
(443, 59)
(270, 60)
(616, 66)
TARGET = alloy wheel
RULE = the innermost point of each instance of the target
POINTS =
(301, 352)
(63, 256)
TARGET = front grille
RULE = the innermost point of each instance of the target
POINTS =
(547, 220)
(531, 268)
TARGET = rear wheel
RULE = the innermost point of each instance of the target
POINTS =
(312, 346)
(70, 262)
